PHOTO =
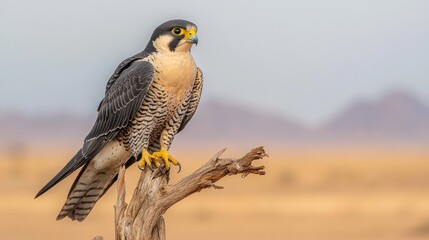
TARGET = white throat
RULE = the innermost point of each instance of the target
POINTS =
(176, 72)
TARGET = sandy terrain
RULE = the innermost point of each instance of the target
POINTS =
(326, 194)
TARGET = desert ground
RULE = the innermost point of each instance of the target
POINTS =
(308, 193)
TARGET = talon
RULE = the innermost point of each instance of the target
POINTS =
(164, 157)
(180, 167)
(146, 160)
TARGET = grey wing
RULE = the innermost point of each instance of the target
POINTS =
(123, 99)
(121, 102)
(123, 65)
(194, 100)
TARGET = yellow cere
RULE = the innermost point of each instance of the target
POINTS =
(191, 33)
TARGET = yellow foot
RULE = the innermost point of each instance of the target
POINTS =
(154, 158)
(167, 158)
(147, 160)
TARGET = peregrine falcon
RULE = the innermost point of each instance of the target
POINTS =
(150, 97)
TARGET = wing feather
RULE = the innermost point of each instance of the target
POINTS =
(123, 65)
(122, 99)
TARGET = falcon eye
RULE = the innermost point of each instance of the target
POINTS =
(177, 31)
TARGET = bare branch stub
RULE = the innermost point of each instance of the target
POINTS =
(120, 205)
(142, 218)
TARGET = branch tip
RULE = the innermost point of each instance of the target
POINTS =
(211, 184)
(218, 154)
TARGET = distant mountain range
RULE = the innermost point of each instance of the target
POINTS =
(224, 122)
(397, 116)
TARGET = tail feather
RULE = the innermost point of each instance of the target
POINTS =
(86, 191)
(76, 162)
(94, 180)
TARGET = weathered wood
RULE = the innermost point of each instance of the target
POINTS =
(120, 205)
(143, 218)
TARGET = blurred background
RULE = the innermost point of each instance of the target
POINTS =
(336, 91)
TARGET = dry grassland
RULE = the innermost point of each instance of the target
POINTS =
(323, 194)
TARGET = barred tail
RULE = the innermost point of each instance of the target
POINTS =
(86, 191)
(93, 181)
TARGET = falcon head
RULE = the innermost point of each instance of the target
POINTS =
(173, 36)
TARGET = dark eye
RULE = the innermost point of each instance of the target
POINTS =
(176, 31)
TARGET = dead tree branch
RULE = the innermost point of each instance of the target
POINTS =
(142, 218)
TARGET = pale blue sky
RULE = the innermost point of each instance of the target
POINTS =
(303, 59)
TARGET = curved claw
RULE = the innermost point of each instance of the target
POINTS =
(146, 160)
(180, 166)
(143, 168)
